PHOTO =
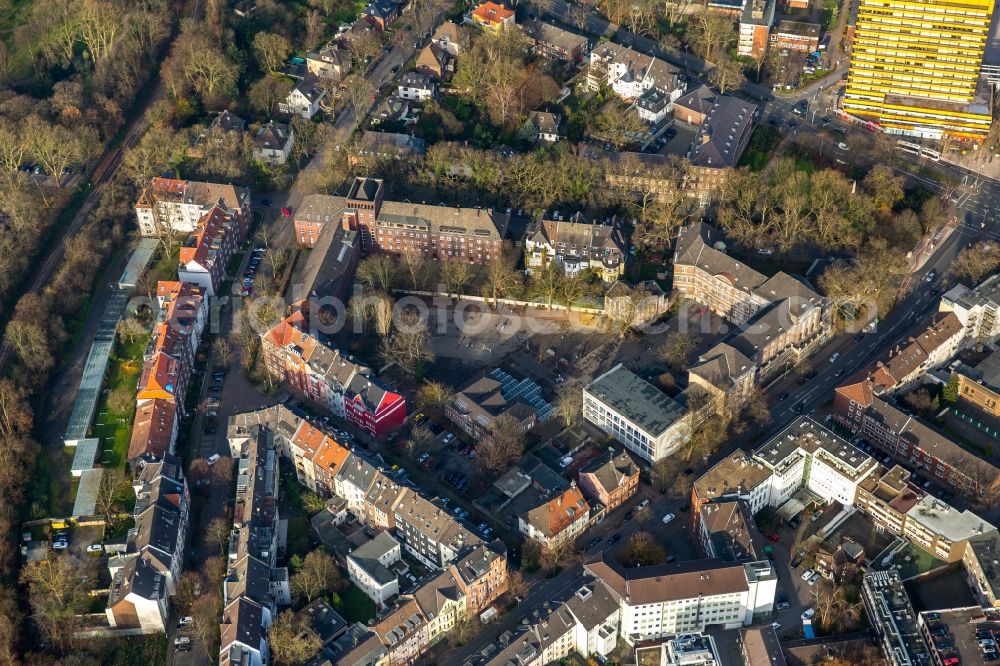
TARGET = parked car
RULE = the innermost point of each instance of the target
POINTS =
(817, 515)
(214, 458)
(773, 537)
(185, 621)
(782, 605)
(807, 574)
(834, 356)
(667, 518)
(615, 538)
(808, 613)
(95, 548)
(813, 579)
(448, 438)
(60, 545)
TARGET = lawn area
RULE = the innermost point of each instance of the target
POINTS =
(912, 560)
(115, 429)
(300, 540)
(354, 606)
(131, 651)
(762, 144)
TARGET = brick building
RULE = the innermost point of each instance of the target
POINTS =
(610, 479)
(294, 356)
(179, 205)
(475, 235)
(205, 254)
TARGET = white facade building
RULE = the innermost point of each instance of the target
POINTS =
(368, 568)
(805, 454)
(666, 600)
(636, 413)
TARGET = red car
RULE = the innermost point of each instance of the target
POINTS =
(773, 537)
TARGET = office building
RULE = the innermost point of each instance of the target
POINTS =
(923, 79)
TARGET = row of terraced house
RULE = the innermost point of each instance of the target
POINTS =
(145, 570)
(471, 573)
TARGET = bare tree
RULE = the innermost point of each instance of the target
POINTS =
(569, 404)
(433, 396)
(358, 95)
(112, 492)
(641, 550)
(377, 272)
(501, 278)
(503, 446)
(291, 640)
(318, 575)
(217, 533)
(677, 349)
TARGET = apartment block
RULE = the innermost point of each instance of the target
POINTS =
(977, 309)
(575, 245)
(637, 414)
(205, 254)
(254, 587)
(755, 27)
(807, 455)
(144, 575)
(610, 479)
(911, 442)
(657, 602)
(428, 532)
(942, 530)
(556, 43)
(982, 553)
(558, 520)
(368, 568)
(923, 81)
(727, 531)
(886, 496)
(179, 205)
(297, 358)
(781, 319)
(584, 624)
(474, 235)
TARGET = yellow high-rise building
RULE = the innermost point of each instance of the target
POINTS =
(915, 67)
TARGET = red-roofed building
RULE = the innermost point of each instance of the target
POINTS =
(207, 251)
(493, 17)
(179, 204)
(558, 520)
(296, 357)
(154, 430)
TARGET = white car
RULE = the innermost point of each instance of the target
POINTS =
(814, 579)
(95, 548)
(667, 518)
(214, 458)
(809, 612)
(185, 621)
(834, 357)
(60, 545)
(842, 146)
(807, 574)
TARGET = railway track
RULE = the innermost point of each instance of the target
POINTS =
(102, 173)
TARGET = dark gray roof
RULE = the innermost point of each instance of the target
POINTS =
(547, 33)
(718, 141)
(325, 622)
(592, 604)
(696, 246)
(653, 100)
(273, 136)
(636, 399)
(416, 80)
(722, 366)
(228, 122)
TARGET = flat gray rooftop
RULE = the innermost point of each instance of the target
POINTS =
(636, 399)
